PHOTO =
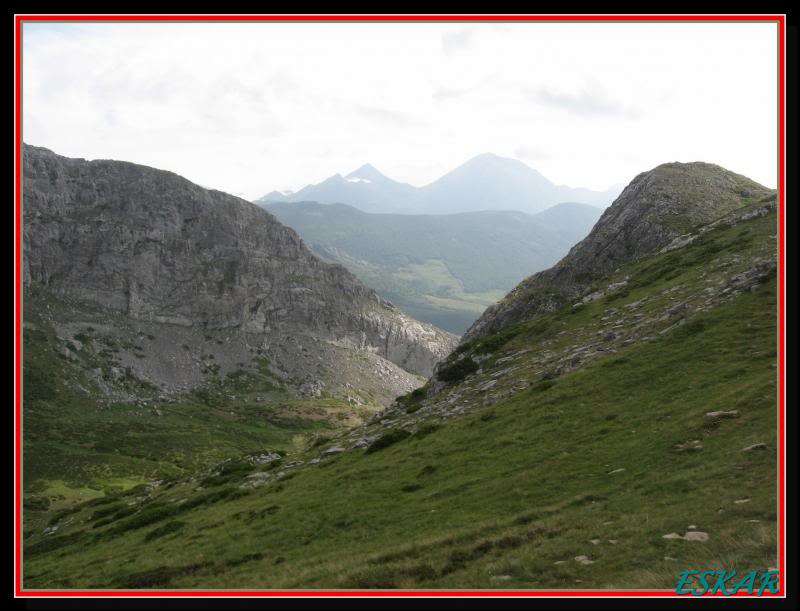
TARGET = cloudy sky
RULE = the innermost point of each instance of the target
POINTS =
(251, 107)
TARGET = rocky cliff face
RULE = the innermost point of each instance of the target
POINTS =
(655, 209)
(162, 250)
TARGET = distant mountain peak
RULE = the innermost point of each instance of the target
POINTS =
(366, 173)
(500, 166)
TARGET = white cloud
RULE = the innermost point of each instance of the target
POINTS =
(252, 107)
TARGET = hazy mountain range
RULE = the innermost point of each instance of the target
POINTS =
(442, 269)
(485, 182)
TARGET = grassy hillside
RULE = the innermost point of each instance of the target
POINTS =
(536, 468)
(79, 443)
(442, 269)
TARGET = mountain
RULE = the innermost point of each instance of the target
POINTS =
(442, 269)
(486, 182)
(586, 447)
(159, 249)
(155, 293)
(490, 182)
(654, 210)
(366, 189)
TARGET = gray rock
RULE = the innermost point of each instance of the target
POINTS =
(692, 535)
(724, 414)
(696, 535)
(264, 459)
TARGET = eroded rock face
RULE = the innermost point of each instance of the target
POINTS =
(653, 211)
(163, 250)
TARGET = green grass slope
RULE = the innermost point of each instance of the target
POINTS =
(569, 481)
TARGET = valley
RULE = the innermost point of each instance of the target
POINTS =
(441, 269)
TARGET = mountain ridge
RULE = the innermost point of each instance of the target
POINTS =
(484, 182)
(656, 208)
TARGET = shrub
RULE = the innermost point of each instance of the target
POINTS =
(36, 503)
(455, 372)
(107, 511)
(229, 471)
(63, 514)
(493, 342)
(245, 558)
(170, 527)
(418, 393)
(53, 543)
(152, 514)
(413, 400)
(543, 386)
(388, 439)
(414, 407)
(462, 348)
(426, 430)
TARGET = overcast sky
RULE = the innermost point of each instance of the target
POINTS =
(251, 107)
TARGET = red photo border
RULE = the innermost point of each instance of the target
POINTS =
(780, 20)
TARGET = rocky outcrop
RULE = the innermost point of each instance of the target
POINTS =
(656, 209)
(163, 250)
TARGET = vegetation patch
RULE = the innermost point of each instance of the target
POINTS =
(228, 472)
(53, 542)
(244, 559)
(426, 429)
(494, 342)
(158, 577)
(36, 503)
(542, 386)
(413, 400)
(388, 439)
(166, 529)
(458, 370)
